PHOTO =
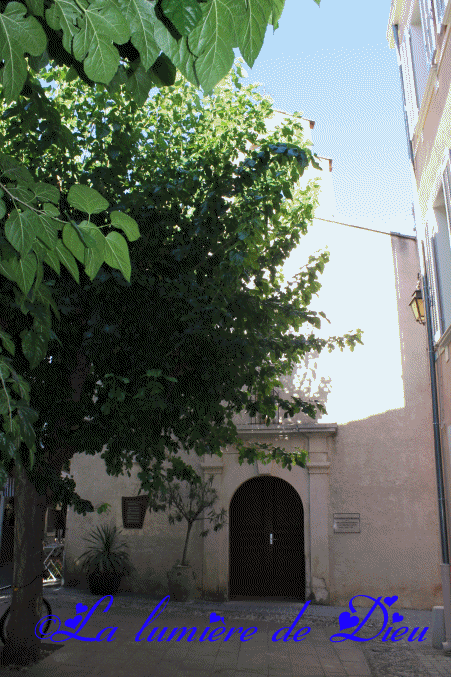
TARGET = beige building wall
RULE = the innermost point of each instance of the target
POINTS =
(372, 455)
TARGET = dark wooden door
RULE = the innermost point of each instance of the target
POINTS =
(266, 520)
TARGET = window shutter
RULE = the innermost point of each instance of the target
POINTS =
(427, 22)
(447, 194)
(409, 84)
(432, 276)
(133, 511)
(439, 9)
(414, 75)
(403, 92)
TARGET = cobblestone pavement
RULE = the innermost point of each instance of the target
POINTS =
(384, 658)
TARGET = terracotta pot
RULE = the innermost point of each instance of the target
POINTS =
(181, 583)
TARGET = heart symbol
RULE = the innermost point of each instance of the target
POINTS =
(81, 608)
(397, 617)
(214, 617)
(73, 622)
(390, 600)
(347, 621)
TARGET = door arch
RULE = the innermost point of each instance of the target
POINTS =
(266, 522)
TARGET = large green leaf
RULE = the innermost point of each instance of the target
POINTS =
(139, 85)
(251, 28)
(184, 14)
(64, 14)
(20, 229)
(86, 199)
(116, 254)
(277, 9)
(102, 24)
(36, 7)
(45, 192)
(17, 36)
(125, 223)
(140, 15)
(7, 342)
(15, 170)
(23, 271)
(67, 260)
(212, 41)
(46, 230)
(73, 242)
(34, 346)
(94, 257)
(27, 416)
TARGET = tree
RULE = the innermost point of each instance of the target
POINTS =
(207, 328)
(138, 42)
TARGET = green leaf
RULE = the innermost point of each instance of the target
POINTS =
(64, 14)
(102, 24)
(73, 243)
(2, 209)
(85, 231)
(20, 229)
(140, 15)
(27, 416)
(34, 346)
(7, 445)
(214, 37)
(7, 342)
(46, 230)
(116, 254)
(52, 260)
(86, 199)
(251, 28)
(45, 192)
(95, 256)
(36, 7)
(14, 169)
(23, 271)
(51, 210)
(22, 193)
(67, 260)
(184, 14)
(17, 36)
(125, 223)
(139, 85)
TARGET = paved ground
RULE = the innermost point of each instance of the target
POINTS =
(259, 656)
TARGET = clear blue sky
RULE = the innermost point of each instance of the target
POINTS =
(333, 64)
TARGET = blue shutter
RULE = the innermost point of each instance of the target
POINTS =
(427, 22)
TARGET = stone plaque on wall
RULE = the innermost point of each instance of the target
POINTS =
(346, 523)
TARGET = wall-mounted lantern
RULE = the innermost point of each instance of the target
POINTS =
(417, 304)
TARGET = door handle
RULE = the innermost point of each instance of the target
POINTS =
(270, 539)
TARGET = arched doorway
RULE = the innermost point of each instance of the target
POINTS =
(266, 521)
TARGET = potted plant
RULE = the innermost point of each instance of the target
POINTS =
(188, 500)
(106, 561)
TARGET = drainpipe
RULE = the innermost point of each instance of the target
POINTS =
(445, 566)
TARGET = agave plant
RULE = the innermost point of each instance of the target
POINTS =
(107, 554)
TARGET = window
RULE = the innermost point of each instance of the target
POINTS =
(410, 87)
(439, 11)
(134, 511)
(428, 25)
(432, 279)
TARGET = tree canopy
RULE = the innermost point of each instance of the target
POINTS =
(207, 328)
(139, 42)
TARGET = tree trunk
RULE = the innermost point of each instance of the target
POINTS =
(185, 549)
(22, 645)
